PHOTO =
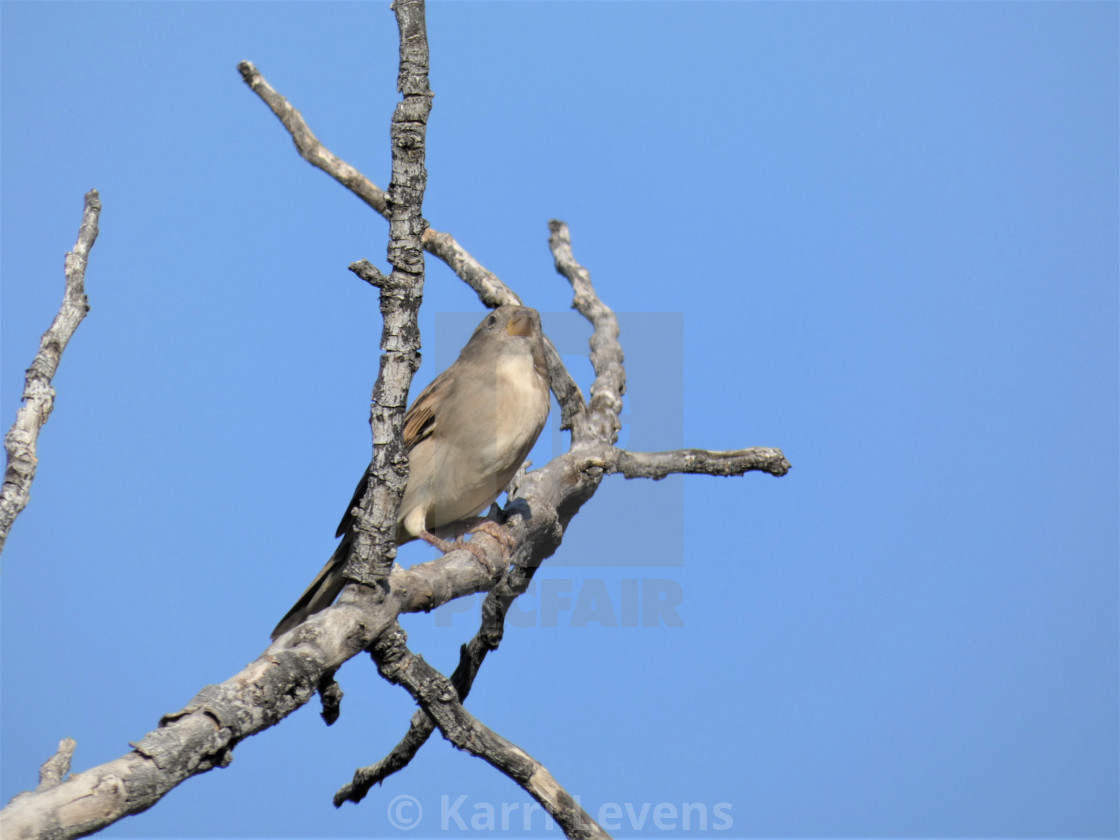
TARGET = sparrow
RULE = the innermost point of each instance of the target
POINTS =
(467, 434)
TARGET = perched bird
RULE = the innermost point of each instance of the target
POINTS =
(467, 434)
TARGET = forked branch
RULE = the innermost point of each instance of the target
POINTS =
(204, 733)
(491, 291)
(594, 430)
(593, 437)
(438, 699)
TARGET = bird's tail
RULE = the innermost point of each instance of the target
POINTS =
(320, 594)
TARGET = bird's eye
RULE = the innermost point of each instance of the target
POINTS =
(492, 320)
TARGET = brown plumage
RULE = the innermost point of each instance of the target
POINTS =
(467, 434)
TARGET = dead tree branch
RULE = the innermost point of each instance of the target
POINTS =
(56, 767)
(491, 291)
(471, 655)
(202, 735)
(375, 544)
(657, 465)
(438, 698)
(308, 145)
(38, 392)
(596, 430)
(606, 352)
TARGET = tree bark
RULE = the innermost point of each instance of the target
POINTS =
(204, 734)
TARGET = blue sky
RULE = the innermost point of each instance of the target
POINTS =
(882, 236)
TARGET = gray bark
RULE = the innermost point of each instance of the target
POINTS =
(204, 734)
(38, 392)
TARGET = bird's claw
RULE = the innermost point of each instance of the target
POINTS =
(504, 537)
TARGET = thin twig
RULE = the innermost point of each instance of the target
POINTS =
(330, 696)
(437, 697)
(56, 767)
(370, 273)
(471, 655)
(606, 352)
(308, 145)
(491, 291)
(658, 465)
(489, 288)
(38, 392)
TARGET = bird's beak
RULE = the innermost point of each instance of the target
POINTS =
(521, 324)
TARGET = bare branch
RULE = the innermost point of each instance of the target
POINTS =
(491, 291)
(607, 360)
(58, 765)
(489, 288)
(202, 735)
(606, 352)
(657, 465)
(471, 655)
(369, 272)
(420, 729)
(330, 695)
(38, 392)
(308, 145)
(568, 393)
(375, 528)
(437, 697)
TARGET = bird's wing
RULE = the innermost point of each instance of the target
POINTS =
(347, 517)
(420, 419)
(419, 423)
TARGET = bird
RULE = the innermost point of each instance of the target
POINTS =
(467, 434)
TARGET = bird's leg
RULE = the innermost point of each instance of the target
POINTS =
(488, 525)
(446, 546)
(496, 531)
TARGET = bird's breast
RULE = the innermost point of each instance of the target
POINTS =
(482, 437)
(521, 404)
